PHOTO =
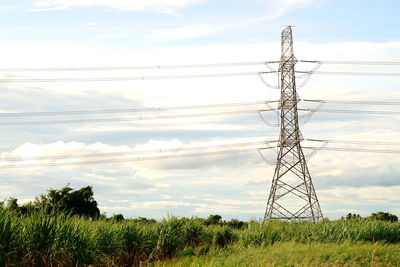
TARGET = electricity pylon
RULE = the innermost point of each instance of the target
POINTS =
(292, 195)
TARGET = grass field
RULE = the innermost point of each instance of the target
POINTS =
(60, 240)
(296, 254)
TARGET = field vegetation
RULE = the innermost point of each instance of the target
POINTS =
(295, 254)
(65, 228)
(60, 240)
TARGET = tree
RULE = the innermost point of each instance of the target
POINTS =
(235, 223)
(75, 202)
(143, 220)
(384, 216)
(213, 219)
(117, 217)
(12, 204)
(353, 216)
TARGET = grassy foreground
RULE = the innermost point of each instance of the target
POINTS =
(60, 240)
(295, 254)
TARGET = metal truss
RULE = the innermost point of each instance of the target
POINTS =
(292, 196)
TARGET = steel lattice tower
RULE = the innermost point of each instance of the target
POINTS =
(292, 195)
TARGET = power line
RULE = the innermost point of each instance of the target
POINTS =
(131, 159)
(183, 66)
(349, 62)
(135, 78)
(154, 67)
(84, 26)
(365, 150)
(108, 111)
(136, 152)
(347, 26)
(143, 26)
(357, 142)
(178, 116)
(60, 113)
(355, 102)
(139, 118)
(351, 73)
(367, 112)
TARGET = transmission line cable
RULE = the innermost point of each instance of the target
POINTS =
(356, 142)
(308, 116)
(138, 118)
(354, 149)
(107, 111)
(347, 26)
(366, 112)
(308, 75)
(365, 150)
(131, 159)
(355, 102)
(264, 158)
(133, 78)
(351, 73)
(135, 152)
(349, 62)
(155, 67)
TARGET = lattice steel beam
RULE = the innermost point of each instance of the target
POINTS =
(292, 180)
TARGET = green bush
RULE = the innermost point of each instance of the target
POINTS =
(134, 245)
(223, 236)
(9, 230)
(194, 233)
(236, 224)
(169, 233)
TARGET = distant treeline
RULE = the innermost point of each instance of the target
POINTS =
(82, 203)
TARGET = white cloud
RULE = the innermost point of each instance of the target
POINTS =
(37, 158)
(160, 204)
(197, 207)
(90, 24)
(189, 197)
(212, 123)
(119, 201)
(162, 185)
(184, 32)
(30, 151)
(275, 9)
(362, 196)
(7, 8)
(280, 7)
(151, 93)
(166, 6)
(227, 209)
(340, 200)
(69, 153)
(238, 202)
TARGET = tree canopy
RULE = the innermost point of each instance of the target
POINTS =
(74, 202)
(384, 216)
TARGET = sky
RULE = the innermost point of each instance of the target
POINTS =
(74, 34)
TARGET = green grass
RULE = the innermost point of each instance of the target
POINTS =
(54, 240)
(295, 254)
